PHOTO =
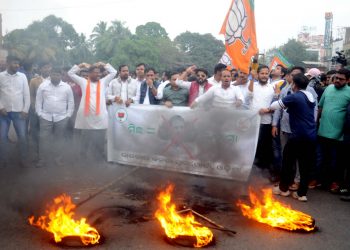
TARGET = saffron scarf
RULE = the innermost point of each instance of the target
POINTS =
(87, 98)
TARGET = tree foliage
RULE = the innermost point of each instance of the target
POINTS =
(202, 50)
(51, 39)
(296, 52)
(55, 40)
(151, 30)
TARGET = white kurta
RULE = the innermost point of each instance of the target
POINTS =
(214, 82)
(222, 98)
(92, 121)
(262, 97)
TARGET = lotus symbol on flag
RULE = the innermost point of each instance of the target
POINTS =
(226, 59)
(236, 23)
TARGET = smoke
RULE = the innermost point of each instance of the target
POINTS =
(27, 191)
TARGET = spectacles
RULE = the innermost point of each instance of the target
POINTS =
(340, 79)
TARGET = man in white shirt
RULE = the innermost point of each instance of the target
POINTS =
(215, 80)
(277, 80)
(44, 68)
(147, 93)
(224, 96)
(242, 83)
(92, 115)
(140, 72)
(54, 106)
(165, 81)
(262, 94)
(14, 107)
(123, 89)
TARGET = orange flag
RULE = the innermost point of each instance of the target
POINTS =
(239, 31)
(279, 59)
(226, 59)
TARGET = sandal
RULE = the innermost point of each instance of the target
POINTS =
(294, 186)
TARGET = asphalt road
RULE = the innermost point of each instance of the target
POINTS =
(124, 214)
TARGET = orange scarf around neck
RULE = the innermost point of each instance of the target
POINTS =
(87, 99)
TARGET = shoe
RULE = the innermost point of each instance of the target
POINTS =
(299, 198)
(276, 190)
(294, 186)
(274, 179)
(344, 191)
(345, 198)
(334, 189)
(313, 184)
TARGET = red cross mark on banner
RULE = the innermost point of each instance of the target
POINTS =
(176, 138)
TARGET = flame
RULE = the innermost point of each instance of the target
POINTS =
(58, 220)
(176, 225)
(275, 214)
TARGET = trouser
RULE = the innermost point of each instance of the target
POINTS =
(34, 122)
(19, 123)
(277, 154)
(93, 144)
(52, 139)
(284, 138)
(344, 164)
(303, 151)
(264, 148)
(316, 172)
(331, 169)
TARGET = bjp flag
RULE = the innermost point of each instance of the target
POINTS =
(279, 59)
(226, 59)
(240, 36)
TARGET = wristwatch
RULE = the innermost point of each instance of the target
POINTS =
(151, 87)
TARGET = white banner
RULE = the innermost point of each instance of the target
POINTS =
(215, 142)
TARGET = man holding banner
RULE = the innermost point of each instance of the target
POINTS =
(262, 94)
(224, 96)
(196, 88)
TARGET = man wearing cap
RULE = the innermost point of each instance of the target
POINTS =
(315, 82)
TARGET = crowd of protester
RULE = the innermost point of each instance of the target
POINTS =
(305, 115)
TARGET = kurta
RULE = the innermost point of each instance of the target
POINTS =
(92, 121)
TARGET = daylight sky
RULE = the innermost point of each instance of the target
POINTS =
(276, 20)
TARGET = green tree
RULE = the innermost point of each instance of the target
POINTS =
(99, 31)
(151, 30)
(150, 45)
(82, 52)
(51, 39)
(296, 52)
(202, 50)
(106, 41)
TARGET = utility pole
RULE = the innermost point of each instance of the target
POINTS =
(1, 38)
(328, 38)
